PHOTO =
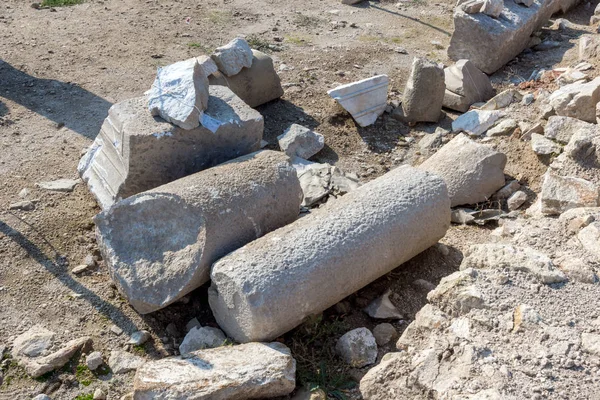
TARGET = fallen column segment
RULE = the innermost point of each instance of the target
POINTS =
(159, 245)
(271, 285)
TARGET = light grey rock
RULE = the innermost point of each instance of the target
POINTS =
(159, 245)
(365, 100)
(138, 338)
(179, 94)
(424, 93)
(589, 237)
(135, 152)
(493, 8)
(382, 308)
(543, 146)
(476, 122)
(38, 366)
(60, 185)
(562, 129)
(490, 43)
(499, 256)
(577, 100)
(508, 190)
(121, 362)
(473, 172)
(590, 343)
(431, 142)
(465, 85)
(315, 180)
(248, 371)
(528, 99)
(525, 318)
(584, 144)
(202, 338)
(94, 360)
(455, 295)
(384, 333)
(516, 200)
(577, 269)
(42, 397)
(299, 141)
(504, 127)
(256, 85)
(502, 100)
(589, 46)
(269, 286)
(116, 330)
(33, 343)
(22, 205)
(232, 57)
(562, 193)
(99, 395)
(357, 348)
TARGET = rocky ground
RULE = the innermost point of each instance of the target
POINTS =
(513, 333)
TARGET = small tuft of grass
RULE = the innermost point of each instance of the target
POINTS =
(60, 3)
(219, 17)
(139, 349)
(306, 21)
(89, 396)
(258, 43)
(298, 40)
(205, 49)
(84, 375)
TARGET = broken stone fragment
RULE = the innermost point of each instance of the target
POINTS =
(562, 129)
(382, 308)
(365, 100)
(476, 122)
(384, 333)
(200, 338)
(525, 317)
(589, 47)
(504, 127)
(135, 152)
(516, 200)
(561, 193)
(33, 343)
(577, 100)
(299, 141)
(502, 100)
(465, 85)
(589, 237)
(507, 190)
(544, 146)
(247, 371)
(94, 360)
(590, 343)
(424, 93)
(121, 362)
(318, 260)
(493, 8)
(473, 172)
(357, 348)
(159, 245)
(38, 366)
(179, 94)
(256, 85)
(22, 205)
(320, 180)
(232, 57)
(60, 185)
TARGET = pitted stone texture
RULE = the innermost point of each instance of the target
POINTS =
(562, 193)
(490, 43)
(159, 245)
(365, 100)
(232, 57)
(256, 85)
(135, 152)
(179, 94)
(299, 141)
(577, 100)
(357, 348)
(424, 92)
(473, 172)
(271, 285)
(247, 371)
(466, 85)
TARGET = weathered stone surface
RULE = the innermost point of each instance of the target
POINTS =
(256, 85)
(382, 308)
(476, 122)
(498, 256)
(493, 8)
(381, 382)
(247, 371)
(59, 185)
(299, 141)
(32, 343)
(590, 343)
(589, 47)
(577, 100)
(202, 338)
(138, 338)
(465, 85)
(502, 100)
(232, 57)
(179, 94)
(365, 100)
(589, 237)
(561, 193)
(492, 42)
(135, 152)
(22, 205)
(38, 366)
(121, 362)
(159, 245)
(473, 172)
(525, 317)
(508, 190)
(562, 129)
(455, 295)
(424, 93)
(269, 286)
(504, 127)
(577, 269)
(320, 180)
(384, 333)
(516, 200)
(94, 360)
(544, 146)
(357, 348)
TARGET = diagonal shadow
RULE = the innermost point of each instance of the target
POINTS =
(56, 268)
(65, 103)
(411, 18)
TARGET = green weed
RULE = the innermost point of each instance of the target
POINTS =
(60, 3)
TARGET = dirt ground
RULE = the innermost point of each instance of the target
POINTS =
(60, 71)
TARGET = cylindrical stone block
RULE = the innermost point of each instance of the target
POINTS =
(271, 285)
(159, 245)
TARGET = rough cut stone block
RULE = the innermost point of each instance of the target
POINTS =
(577, 100)
(472, 171)
(232, 57)
(424, 93)
(247, 371)
(466, 85)
(159, 245)
(299, 141)
(365, 100)
(562, 129)
(256, 85)
(135, 152)
(489, 42)
(179, 93)
(562, 193)
(271, 285)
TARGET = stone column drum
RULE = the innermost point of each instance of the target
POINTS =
(271, 285)
(159, 245)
